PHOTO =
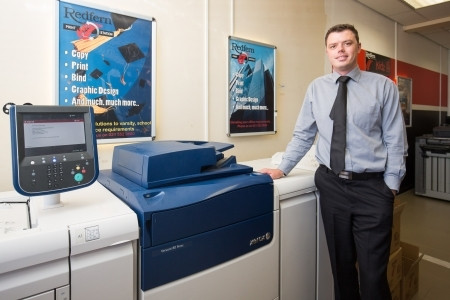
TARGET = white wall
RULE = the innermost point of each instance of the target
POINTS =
(191, 65)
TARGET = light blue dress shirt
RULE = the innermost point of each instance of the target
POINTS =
(376, 134)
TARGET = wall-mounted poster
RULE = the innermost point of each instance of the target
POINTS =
(251, 96)
(405, 95)
(106, 60)
(380, 64)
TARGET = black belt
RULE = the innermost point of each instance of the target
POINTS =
(354, 176)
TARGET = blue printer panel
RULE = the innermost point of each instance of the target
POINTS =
(217, 211)
(234, 220)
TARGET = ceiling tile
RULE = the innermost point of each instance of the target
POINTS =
(435, 11)
(417, 20)
(407, 18)
(386, 7)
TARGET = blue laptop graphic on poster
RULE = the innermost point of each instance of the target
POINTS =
(251, 107)
(106, 60)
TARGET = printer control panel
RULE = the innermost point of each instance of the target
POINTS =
(56, 172)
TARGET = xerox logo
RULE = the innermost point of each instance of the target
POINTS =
(260, 239)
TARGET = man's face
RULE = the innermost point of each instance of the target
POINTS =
(342, 50)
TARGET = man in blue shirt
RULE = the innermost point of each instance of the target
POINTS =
(357, 203)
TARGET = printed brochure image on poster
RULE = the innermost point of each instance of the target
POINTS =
(106, 60)
(251, 96)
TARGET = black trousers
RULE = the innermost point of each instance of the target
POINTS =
(357, 217)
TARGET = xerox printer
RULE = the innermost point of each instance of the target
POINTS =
(196, 209)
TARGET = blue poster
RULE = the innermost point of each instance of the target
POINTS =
(106, 60)
(251, 75)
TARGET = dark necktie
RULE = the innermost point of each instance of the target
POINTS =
(339, 116)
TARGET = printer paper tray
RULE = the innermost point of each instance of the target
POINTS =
(175, 260)
(221, 210)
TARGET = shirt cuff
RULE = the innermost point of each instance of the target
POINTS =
(392, 182)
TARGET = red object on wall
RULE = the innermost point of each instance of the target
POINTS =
(425, 83)
(362, 59)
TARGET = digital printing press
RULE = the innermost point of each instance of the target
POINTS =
(209, 226)
(215, 229)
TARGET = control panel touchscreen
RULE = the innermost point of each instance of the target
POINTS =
(53, 148)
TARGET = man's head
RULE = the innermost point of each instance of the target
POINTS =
(342, 47)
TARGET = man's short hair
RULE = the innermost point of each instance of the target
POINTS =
(340, 28)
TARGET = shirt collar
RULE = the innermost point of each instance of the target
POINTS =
(354, 74)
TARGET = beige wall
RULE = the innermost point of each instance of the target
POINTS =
(296, 29)
(191, 65)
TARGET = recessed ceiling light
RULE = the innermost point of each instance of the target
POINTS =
(423, 3)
